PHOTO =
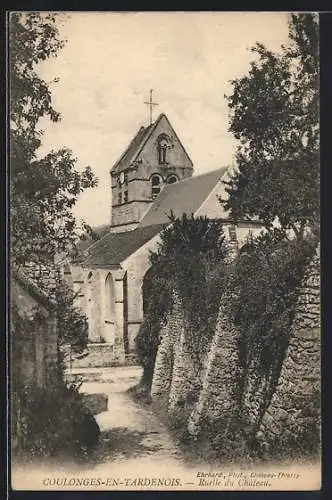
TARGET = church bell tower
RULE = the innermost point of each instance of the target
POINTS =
(155, 157)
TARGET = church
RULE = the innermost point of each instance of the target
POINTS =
(153, 176)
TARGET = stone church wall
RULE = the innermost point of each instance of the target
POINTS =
(96, 317)
(176, 155)
(99, 355)
(100, 296)
(136, 267)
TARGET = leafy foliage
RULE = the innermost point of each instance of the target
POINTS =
(45, 421)
(56, 422)
(276, 266)
(185, 263)
(189, 250)
(274, 114)
(72, 322)
(43, 189)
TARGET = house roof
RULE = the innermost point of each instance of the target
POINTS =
(114, 248)
(181, 197)
(25, 293)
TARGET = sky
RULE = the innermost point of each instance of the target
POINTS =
(112, 60)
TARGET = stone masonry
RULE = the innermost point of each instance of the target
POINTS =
(294, 405)
(186, 377)
(218, 397)
(163, 370)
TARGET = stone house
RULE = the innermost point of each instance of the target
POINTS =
(153, 177)
(35, 346)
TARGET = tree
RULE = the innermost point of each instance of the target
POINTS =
(274, 116)
(43, 189)
(72, 323)
(188, 261)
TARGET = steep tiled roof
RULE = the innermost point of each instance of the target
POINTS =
(182, 197)
(114, 248)
(83, 244)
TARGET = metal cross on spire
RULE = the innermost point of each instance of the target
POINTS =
(150, 103)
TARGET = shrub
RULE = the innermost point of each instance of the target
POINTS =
(265, 281)
(53, 422)
(46, 421)
(72, 322)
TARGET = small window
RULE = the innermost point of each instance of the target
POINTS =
(232, 233)
(162, 155)
(172, 179)
(163, 145)
(156, 182)
(119, 198)
(126, 179)
(125, 196)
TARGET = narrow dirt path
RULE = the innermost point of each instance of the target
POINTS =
(131, 434)
(129, 430)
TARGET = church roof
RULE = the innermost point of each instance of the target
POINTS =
(134, 147)
(182, 197)
(114, 248)
(87, 241)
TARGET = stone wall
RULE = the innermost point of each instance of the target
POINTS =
(37, 357)
(186, 378)
(45, 276)
(294, 412)
(219, 397)
(98, 356)
(163, 370)
(216, 392)
(95, 319)
(100, 296)
(34, 337)
(177, 376)
(129, 213)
